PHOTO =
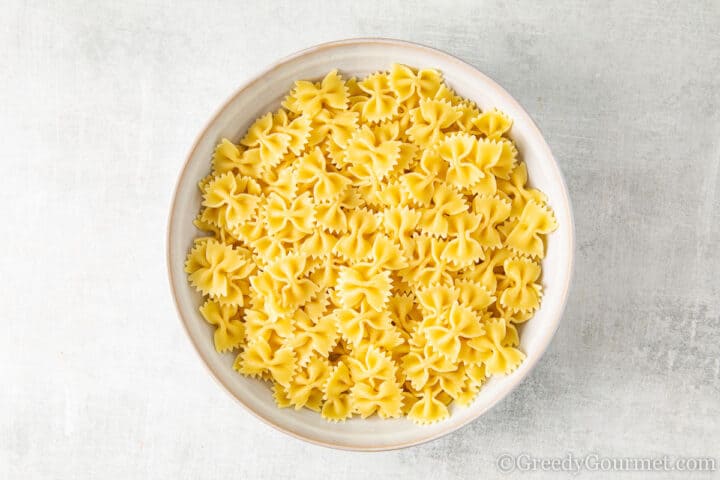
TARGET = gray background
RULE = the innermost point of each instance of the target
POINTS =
(99, 104)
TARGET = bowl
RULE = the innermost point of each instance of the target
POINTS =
(359, 57)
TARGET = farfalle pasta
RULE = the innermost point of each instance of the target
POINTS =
(371, 246)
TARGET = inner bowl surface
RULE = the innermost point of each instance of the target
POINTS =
(360, 57)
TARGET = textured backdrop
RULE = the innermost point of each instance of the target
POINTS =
(99, 104)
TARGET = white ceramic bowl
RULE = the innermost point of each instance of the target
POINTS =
(359, 57)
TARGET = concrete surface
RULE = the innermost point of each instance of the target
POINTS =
(99, 103)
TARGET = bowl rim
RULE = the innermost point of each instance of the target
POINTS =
(535, 130)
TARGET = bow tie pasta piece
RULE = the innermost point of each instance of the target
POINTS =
(357, 101)
(467, 393)
(307, 385)
(404, 122)
(427, 266)
(370, 158)
(454, 382)
(387, 255)
(492, 212)
(283, 182)
(468, 111)
(431, 120)
(535, 220)
(405, 312)
(371, 192)
(282, 297)
(336, 125)
(381, 103)
(228, 157)
(447, 331)
(446, 203)
(357, 244)
(507, 160)
(261, 325)
(463, 250)
(259, 357)
(429, 408)
(371, 365)
(385, 399)
(474, 295)
(313, 336)
(488, 158)
(309, 98)
(338, 403)
(311, 169)
(230, 200)
(400, 223)
(407, 82)
(460, 152)
(423, 362)
(333, 215)
(498, 358)
(436, 299)
(363, 283)
(290, 220)
(270, 146)
(229, 327)
(285, 283)
(298, 129)
(370, 247)
(268, 249)
(353, 88)
(357, 325)
(522, 293)
(493, 124)
(217, 270)
(420, 184)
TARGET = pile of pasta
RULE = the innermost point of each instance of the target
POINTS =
(372, 247)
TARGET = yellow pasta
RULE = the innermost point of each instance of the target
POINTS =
(370, 247)
(230, 329)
